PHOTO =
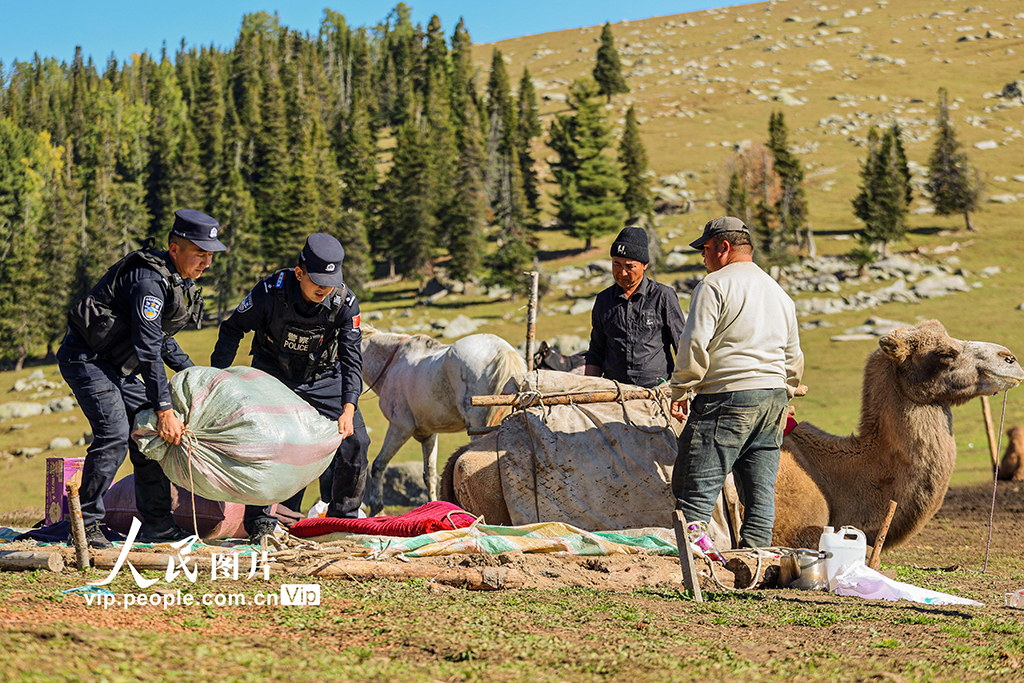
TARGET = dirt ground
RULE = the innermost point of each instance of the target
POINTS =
(768, 626)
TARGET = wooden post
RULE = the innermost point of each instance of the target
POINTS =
(986, 412)
(883, 531)
(77, 526)
(690, 580)
(531, 319)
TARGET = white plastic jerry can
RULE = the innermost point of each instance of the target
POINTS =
(848, 546)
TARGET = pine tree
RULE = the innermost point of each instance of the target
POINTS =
(882, 201)
(590, 185)
(953, 183)
(168, 183)
(20, 296)
(208, 123)
(608, 70)
(637, 197)
(465, 215)
(408, 215)
(529, 128)
(272, 177)
(792, 205)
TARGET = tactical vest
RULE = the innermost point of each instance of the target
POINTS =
(104, 323)
(299, 346)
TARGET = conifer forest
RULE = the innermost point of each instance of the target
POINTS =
(387, 136)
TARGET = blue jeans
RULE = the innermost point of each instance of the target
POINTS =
(738, 431)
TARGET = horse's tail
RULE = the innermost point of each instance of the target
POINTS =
(507, 364)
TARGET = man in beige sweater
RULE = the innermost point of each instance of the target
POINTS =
(740, 362)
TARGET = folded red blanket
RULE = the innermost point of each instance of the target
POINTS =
(790, 423)
(426, 519)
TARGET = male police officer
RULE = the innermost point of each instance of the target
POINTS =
(119, 337)
(308, 336)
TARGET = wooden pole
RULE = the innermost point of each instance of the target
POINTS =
(22, 560)
(566, 399)
(531, 319)
(883, 531)
(472, 578)
(77, 526)
(993, 448)
(690, 580)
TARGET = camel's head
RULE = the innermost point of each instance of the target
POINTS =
(932, 367)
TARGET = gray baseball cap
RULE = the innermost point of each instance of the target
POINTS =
(718, 226)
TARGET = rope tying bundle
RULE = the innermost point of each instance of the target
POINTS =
(190, 442)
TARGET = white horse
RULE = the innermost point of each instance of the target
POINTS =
(425, 388)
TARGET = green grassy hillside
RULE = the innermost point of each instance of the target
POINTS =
(703, 82)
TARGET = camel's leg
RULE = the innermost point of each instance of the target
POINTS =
(429, 446)
(393, 440)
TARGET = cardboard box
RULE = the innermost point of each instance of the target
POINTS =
(60, 471)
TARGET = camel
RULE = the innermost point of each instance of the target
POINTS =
(904, 451)
(1010, 467)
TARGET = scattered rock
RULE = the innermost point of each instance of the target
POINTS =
(940, 285)
(676, 260)
(59, 443)
(1013, 89)
(460, 327)
(61, 405)
(1003, 198)
(21, 409)
(602, 267)
(986, 144)
(582, 306)
(403, 484)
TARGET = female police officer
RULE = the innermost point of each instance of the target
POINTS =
(307, 335)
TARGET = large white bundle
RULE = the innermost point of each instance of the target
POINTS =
(256, 442)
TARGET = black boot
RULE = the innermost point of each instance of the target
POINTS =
(260, 528)
(161, 533)
(94, 536)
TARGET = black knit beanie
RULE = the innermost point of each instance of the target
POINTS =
(632, 244)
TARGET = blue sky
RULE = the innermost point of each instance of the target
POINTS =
(54, 27)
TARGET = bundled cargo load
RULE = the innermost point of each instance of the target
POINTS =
(250, 439)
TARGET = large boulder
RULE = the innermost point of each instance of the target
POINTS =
(403, 484)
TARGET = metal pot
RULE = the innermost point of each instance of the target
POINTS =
(804, 569)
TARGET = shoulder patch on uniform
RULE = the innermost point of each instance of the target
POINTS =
(246, 303)
(355, 322)
(350, 299)
(151, 307)
(280, 280)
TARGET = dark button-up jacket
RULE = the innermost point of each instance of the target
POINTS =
(633, 340)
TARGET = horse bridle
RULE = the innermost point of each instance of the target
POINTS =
(387, 364)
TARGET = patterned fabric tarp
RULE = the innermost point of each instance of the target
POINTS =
(546, 537)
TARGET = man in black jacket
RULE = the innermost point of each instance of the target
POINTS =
(119, 337)
(636, 322)
(307, 335)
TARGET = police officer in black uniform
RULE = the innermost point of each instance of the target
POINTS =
(119, 337)
(307, 335)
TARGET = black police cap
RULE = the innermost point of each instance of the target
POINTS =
(321, 259)
(197, 228)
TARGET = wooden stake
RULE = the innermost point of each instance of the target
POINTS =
(19, 560)
(691, 582)
(531, 319)
(883, 531)
(472, 578)
(993, 449)
(566, 399)
(77, 526)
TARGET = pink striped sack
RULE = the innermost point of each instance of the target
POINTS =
(249, 438)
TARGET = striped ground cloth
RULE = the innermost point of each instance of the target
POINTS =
(546, 537)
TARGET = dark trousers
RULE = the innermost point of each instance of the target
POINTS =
(343, 483)
(110, 403)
